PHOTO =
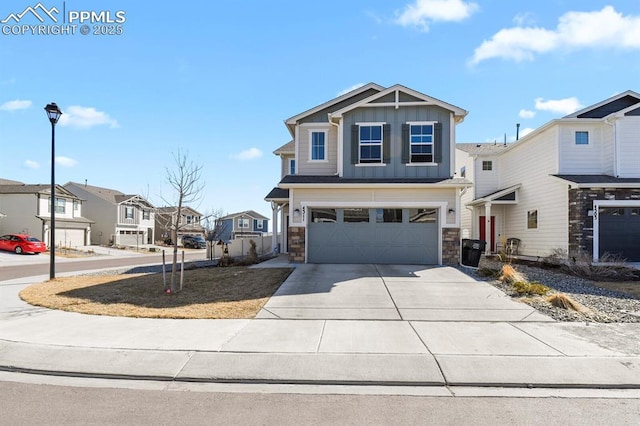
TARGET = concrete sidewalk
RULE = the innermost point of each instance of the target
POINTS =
(422, 332)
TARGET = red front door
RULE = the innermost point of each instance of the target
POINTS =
(483, 231)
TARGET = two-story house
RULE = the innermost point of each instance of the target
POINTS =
(27, 210)
(572, 184)
(120, 219)
(244, 224)
(368, 178)
(189, 224)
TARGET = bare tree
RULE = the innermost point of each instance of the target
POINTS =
(185, 181)
(214, 228)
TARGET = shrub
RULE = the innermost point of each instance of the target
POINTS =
(488, 272)
(563, 301)
(531, 289)
(253, 253)
(612, 267)
(509, 275)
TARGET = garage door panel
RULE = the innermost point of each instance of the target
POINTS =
(70, 237)
(393, 243)
(619, 232)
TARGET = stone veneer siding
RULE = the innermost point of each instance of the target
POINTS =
(450, 246)
(580, 223)
(296, 244)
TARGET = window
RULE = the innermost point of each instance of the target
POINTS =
(356, 215)
(421, 143)
(76, 205)
(532, 219)
(292, 166)
(422, 215)
(371, 144)
(59, 205)
(146, 214)
(128, 212)
(582, 138)
(487, 165)
(318, 146)
(258, 224)
(189, 220)
(463, 172)
(323, 215)
(243, 223)
(388, 215)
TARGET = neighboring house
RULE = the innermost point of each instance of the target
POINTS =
(120, 219)
(245, 224)
(190, 222)
(368, 178)
(27, 210)
(572, 184)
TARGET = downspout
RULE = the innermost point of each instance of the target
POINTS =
(339, 147)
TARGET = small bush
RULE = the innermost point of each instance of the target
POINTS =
(563, 301)
(488, 272)
(610, 267)
(509, 275)
(253, 253)
(531, 289)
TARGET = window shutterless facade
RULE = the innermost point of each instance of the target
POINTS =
(243, 223)
(59, 205)
(532, 219)
(487, 165)
(318, 145)
(582, 138)
(292, 166)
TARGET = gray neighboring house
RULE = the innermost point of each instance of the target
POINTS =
(120, 219)
(244, 224)
(27, 209)
(190, 222)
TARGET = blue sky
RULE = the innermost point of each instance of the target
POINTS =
(216, 79)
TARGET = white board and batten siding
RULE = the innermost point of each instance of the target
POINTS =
(532, 164)
(589, 158)
(628, 133)
(463, 159)
(304, 164)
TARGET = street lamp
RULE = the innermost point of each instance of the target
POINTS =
(53, 113)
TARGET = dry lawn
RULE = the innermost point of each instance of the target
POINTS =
(629, 287)
(234, 292)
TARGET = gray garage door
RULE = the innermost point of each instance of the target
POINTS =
(70, 237)
(377, 235)
(620, 232)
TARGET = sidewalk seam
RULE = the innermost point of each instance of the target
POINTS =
(388, 292)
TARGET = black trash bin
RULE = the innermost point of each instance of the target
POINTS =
(471, 251)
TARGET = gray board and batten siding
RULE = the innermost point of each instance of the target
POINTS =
(322, 115)
(395, 118)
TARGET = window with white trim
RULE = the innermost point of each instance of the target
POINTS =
(318, 146)
(292, 166)
(258, 224)
(487, 165)
(59, 205)
(243, 223)
(128, 212)
(532, 219)
(421, 142)
(370, 143)
(582, 138)
(146, 214)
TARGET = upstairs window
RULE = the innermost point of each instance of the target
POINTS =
(259, 224)
(421, 143)
(582, 138)
(243, 223)
(146, 214)
(463, 172)
(128, 212)
(371, 144)
(292, 166)
(318, 147)
(487, 165)
(532, 219)
(59, 205)
(76, 205)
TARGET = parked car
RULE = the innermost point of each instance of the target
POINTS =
(194, 241)
(22, 243)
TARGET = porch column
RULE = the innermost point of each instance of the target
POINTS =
(487, 227)
(274, 219)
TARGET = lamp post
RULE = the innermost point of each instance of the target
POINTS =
(53, 113)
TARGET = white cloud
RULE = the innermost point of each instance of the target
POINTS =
(66, 161)
(85, 117)
(15, 105)
(525, 131)
(248, 154)
(421, 13)
(562, 106)
(31, 164)
(525, 113)
(348, 89)
(605, 28)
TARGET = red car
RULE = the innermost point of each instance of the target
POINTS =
(21, 243)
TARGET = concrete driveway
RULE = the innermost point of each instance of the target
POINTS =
(392, 292)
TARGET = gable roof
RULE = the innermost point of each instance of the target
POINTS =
(608, 106)
(111, 195)
(287, 148)
(458, 112)
(174, 209)
(251, 213)
(36, 189)
(10, 182)
(374, 86)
